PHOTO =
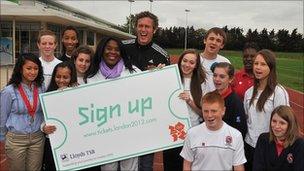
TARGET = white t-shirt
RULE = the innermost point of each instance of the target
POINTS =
(80, 80)
(194, 117)
(258, 121)
(207, 63)
(213, 150)
(48, 68)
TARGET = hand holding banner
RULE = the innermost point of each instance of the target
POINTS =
(116, 119)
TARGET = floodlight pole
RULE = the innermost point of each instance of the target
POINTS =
(186, 28)
(151, 5)
(130, 15)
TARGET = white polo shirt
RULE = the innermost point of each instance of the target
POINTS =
(213, 150)
(258, 121)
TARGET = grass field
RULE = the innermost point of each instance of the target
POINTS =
(290, 66)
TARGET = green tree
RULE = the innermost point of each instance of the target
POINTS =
(199, 38)
(125, 27)
(264, 40)
(252, 36)
(283, 39)
(235, 39)
(296, 41)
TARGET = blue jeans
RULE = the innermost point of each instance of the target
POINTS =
(146, 162)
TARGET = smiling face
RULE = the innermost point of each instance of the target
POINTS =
(63, 77)
(221, 79)
(29, 71)
(47, 45)
(260, 68)
(145, 30)
(279, 127)
(213, 43)
(82, 63)
(213, 114)
(188, 64)
(69, 40)
(111, 54)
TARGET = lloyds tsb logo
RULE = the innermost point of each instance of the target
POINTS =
(64, 157)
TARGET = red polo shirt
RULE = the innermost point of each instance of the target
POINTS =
(279, 146)
(241, 83)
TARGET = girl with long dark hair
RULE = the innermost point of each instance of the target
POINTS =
(64, 75)
(193, 78)
(21, 115)
(261, 99)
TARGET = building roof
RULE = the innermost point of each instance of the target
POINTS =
(58, 13)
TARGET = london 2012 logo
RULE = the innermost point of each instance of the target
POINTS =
(177, 131)
(64, 157)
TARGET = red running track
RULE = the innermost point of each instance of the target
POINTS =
(296, 101)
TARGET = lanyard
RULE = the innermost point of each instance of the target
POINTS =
(31, 109)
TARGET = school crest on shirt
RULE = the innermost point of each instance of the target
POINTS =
(228, 140)
(289, 158)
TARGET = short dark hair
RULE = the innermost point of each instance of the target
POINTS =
(69, 28)
(82, 49)
(226, 65)
(16, 78)
(217, 30)
(149, 15)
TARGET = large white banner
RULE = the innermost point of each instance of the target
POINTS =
(116, 119)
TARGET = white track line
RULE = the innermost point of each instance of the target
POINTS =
(3, 160)
(296, 104)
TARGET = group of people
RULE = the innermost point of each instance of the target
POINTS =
(239, 120)
(232, 113)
